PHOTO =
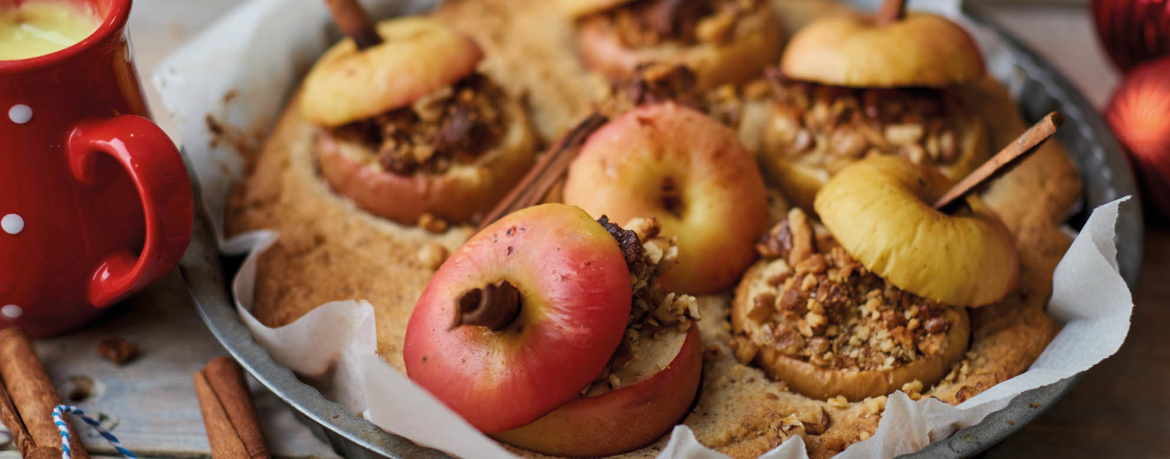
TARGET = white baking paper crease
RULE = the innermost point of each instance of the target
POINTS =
(237, 75)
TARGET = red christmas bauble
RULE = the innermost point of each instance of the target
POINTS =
(1139, 114)
(1133, 31)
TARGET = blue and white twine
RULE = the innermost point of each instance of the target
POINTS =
(64, 428)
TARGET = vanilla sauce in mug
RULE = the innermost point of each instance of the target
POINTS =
(39, 27)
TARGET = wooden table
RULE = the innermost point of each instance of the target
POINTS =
(1119, 409)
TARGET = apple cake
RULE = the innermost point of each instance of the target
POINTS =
(332, 249)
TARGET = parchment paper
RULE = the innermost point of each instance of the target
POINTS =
(234, 79)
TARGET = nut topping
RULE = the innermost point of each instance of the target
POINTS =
(831, 311)
(453, 125)
(645, 23)
(832, 126)
(654, 310)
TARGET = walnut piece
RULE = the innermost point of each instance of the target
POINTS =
(117, 350)
(432, 255)
(432, 224)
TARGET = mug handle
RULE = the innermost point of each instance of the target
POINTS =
(157, 169)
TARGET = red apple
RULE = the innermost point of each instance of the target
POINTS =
(654, 394)
(688, 171)
(520, 318)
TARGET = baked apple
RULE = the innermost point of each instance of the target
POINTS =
(876, 301)
(410, 130)
(650, 383)
(724, 41)
(848, 88)
(689, 172)
(548, 330)
(520, 317)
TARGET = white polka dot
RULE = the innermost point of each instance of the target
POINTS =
(20, 113)
(11, 311)
(12, 223)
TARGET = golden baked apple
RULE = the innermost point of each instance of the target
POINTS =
(409, 130)
(810, 315)
(875, 300)
(418, 57)
(689, 172)
(723, 41)
(921, 49)
(847, 88)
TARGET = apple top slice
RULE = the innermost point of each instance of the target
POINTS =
(893, 49)
(417, 57)
(879, 209)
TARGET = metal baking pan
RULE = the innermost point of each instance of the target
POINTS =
(1105, 172)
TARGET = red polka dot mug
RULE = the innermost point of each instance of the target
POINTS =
(95, 201)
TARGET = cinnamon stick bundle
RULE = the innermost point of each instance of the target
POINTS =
(233, 429)
(27, 400)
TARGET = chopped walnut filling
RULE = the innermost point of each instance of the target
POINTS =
(817, 304)
(453, 125)
(831, 126)
(644, 23)
(654, 310)
(653, 83)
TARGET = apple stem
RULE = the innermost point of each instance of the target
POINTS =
(354, 22)
(1003, 162)
(495, 306)
(890, 12)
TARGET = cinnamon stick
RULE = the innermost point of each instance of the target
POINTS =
(32, 393)
(233, 429)
(9, 417)
(890, 12)
(1003, 162)
(547, 172)
(354, 22)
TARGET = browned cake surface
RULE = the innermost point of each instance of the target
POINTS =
(329, 250)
